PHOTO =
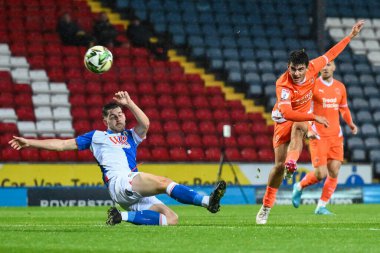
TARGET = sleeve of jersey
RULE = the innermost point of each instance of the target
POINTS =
(318, 63)
(289, 114)
(136, 137)
(344, 110)
(84, 141)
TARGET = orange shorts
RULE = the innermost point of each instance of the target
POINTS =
(327, 148)
(282, 133)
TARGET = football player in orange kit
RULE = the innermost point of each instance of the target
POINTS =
(329, 99)
(294, 90)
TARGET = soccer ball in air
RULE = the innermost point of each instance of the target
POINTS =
(98, 59)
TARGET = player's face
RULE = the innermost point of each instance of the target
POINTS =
(328, 71)
(297, 72)
(115, 120)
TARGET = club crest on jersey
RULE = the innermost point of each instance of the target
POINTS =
(285, 94)
(121, 140)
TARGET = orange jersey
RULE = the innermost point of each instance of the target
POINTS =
(294, 100)
(329, 99)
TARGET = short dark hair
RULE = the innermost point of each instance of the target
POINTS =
(108, 107)
(298, 57)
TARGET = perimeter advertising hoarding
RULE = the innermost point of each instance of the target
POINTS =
(48, 175)
(68, 196)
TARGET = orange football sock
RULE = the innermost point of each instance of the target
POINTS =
(292, 155)
(329, 188)
(270, 196)
(308, 180)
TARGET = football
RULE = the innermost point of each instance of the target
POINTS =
(98, 59)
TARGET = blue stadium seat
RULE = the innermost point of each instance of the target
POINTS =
(354, 142)
(358, 155)
(363, 116)
(368, 130)
(372, 143)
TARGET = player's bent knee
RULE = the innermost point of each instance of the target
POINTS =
(320, 174)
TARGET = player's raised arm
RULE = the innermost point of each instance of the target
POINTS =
(49, 144)
(330, 55)
(123, 99)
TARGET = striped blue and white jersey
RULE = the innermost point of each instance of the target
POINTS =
(114, 152)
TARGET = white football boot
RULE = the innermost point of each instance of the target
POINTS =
(262, 215)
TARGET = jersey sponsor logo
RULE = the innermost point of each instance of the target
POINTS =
(321, 90)
(285, 94)
(304, 99)
(121, 140)
(330, 103)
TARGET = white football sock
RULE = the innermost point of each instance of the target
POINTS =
(322, 203)
(205, 201)
(124, 216)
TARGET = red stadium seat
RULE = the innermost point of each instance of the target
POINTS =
(189, 127)
(163, 87)
(196, 154)
(212, 154)
(233, 154)
(49, 156)
(160, 154)
(8, 128)
(221, 115)
(180, 89)
(246, 141)
(186, 114)
(169, 114)
(207, 127)
(263, 141)
(241, 128)
(249, 154)
(156, 140)
(238, 115)
(211, 140)
(155, 127)
(30, 155)
(10, 155)
(68, 156)
(183, 101)
(230, 142)
(25, 113)
(200, 102)
(152, 113)
(148, 101)
(85, 156)
(175, 139)
(193, 140)
(203, 114)
(171, 126)
(165, 101)
(265, 155)
(178, 154)
(143, 154)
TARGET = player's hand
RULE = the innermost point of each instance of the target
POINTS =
(19, 143)
(356, 28)
(322, 120)
(123, 98)
(354, 129)
(312, 135)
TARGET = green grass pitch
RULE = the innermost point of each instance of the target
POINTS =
(355, 228)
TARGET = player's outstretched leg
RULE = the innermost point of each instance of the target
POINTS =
(216, 196)
(144, 217)
(186, 195)
(296, 195)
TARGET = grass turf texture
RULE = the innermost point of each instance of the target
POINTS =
(355, 228)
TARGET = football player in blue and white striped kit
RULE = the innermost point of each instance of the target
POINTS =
(115, 151)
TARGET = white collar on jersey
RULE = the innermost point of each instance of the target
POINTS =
(109, 131)
(325, 82)
(302, 82)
